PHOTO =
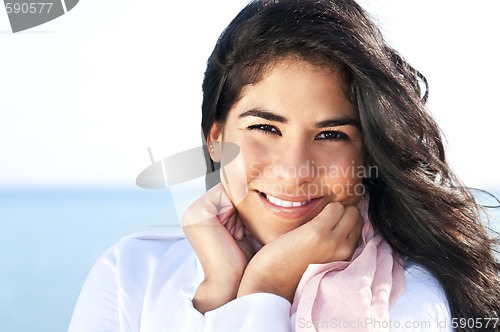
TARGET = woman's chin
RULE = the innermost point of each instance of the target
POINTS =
(267, 237)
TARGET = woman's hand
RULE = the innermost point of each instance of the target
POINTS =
(278, 267)
(216, 234)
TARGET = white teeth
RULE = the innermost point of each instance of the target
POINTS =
(283, 203)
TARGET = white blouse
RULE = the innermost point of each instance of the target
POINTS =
(146, 282)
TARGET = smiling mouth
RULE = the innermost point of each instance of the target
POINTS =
(283, 203)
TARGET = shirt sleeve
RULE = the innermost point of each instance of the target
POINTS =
(423, 306)
(261, 312)
(253, 312)
(126, 291)
(97, 307)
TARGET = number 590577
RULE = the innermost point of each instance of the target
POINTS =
(28, 8)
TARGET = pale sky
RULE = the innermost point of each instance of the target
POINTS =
(83, 96)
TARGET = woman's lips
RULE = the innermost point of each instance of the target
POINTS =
(284, 203)
(289, 207)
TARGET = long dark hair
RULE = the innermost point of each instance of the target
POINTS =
(416, 201)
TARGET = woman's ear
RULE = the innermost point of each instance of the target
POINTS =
(214, 140)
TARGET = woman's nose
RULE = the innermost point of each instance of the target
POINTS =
(294, 162)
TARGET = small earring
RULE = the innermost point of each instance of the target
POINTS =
(211, 147)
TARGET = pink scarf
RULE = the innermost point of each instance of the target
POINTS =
(355, 295)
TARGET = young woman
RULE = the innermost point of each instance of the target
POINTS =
(338, 212)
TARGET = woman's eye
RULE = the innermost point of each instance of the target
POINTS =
(332, 135)
(265, 128)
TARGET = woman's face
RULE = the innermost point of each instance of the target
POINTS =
(300, 149)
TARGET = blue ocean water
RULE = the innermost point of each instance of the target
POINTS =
(51, 237)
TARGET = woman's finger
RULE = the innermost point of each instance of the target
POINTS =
(213, 205)
(328, 218)
(348, 221)
(230, 222)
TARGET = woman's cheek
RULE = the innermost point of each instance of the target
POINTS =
(234, 180)
(258, 157)
(345, 179)
(237, 172)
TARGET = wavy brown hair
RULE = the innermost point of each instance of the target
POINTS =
(416, 201)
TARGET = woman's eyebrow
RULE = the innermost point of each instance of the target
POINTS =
(260, 113)
(270, 116)
(338, 122)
